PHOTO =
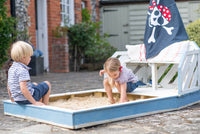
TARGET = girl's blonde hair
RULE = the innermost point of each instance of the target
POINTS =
(21, 49)
(112, 65)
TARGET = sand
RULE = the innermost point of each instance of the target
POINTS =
(78, 103)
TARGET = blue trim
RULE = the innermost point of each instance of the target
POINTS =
(41, 113)
(188, 99)
(121, 111)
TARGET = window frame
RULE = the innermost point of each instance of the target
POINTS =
(67, 11)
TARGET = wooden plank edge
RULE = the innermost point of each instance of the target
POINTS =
(78, 92)
(40, 120)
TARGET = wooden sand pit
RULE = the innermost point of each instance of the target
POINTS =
(88, 100)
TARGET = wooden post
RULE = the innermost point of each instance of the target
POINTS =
(154, 75)
(75, 59)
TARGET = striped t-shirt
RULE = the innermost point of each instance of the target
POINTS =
(18, 72)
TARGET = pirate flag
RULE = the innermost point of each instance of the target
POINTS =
(164, 26)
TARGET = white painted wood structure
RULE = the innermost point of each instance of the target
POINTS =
(188, 70)
(181, 58)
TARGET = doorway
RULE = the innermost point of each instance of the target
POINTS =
(42, 30)
(115, 24)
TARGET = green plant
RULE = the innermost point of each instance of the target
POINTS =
(86, 42)
(80, 36)
(100, 50)
(193, 31)
(6, 32)
(85, 15)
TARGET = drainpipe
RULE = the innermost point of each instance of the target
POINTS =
(12, 8)
(13, 13)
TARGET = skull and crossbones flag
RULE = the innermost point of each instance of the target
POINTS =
(164, 26)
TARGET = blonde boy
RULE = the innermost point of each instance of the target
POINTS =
(20, 88)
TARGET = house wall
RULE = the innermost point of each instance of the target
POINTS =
(8, 7)
(32, 21)
(54, 19)
(26, 18)
(137, 14)
(57, 48)
(77, 9)
(95, 10)
(91, 5)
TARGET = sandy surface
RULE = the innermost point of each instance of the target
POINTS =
(77, 103)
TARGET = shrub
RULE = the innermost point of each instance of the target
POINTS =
(60, 32)
(99, 51)
(6, 32)
(86, 42)
(193, 31)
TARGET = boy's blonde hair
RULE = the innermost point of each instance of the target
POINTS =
(21, 49)
(112, 65)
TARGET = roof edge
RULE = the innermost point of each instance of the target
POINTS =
(121, 1)
(103, 2)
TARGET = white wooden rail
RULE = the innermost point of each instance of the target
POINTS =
(149, 70)
(188, 69)
(189, 72)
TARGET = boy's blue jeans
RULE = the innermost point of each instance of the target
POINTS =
(39, 91)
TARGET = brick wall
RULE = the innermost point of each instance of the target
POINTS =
(77, 11)
(88, 4)
(53, 12)
(58, 47)
(97, 10)
(32, 26)
(60, 55)
(77, 6)
(8, 7)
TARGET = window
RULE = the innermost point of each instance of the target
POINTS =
(67, 12)
(82, 4)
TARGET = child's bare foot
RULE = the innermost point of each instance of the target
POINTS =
(124, 100)
(112, 101)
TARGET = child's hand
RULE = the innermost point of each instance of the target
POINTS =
(12, 100)
(101, 72)
(39, 103)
